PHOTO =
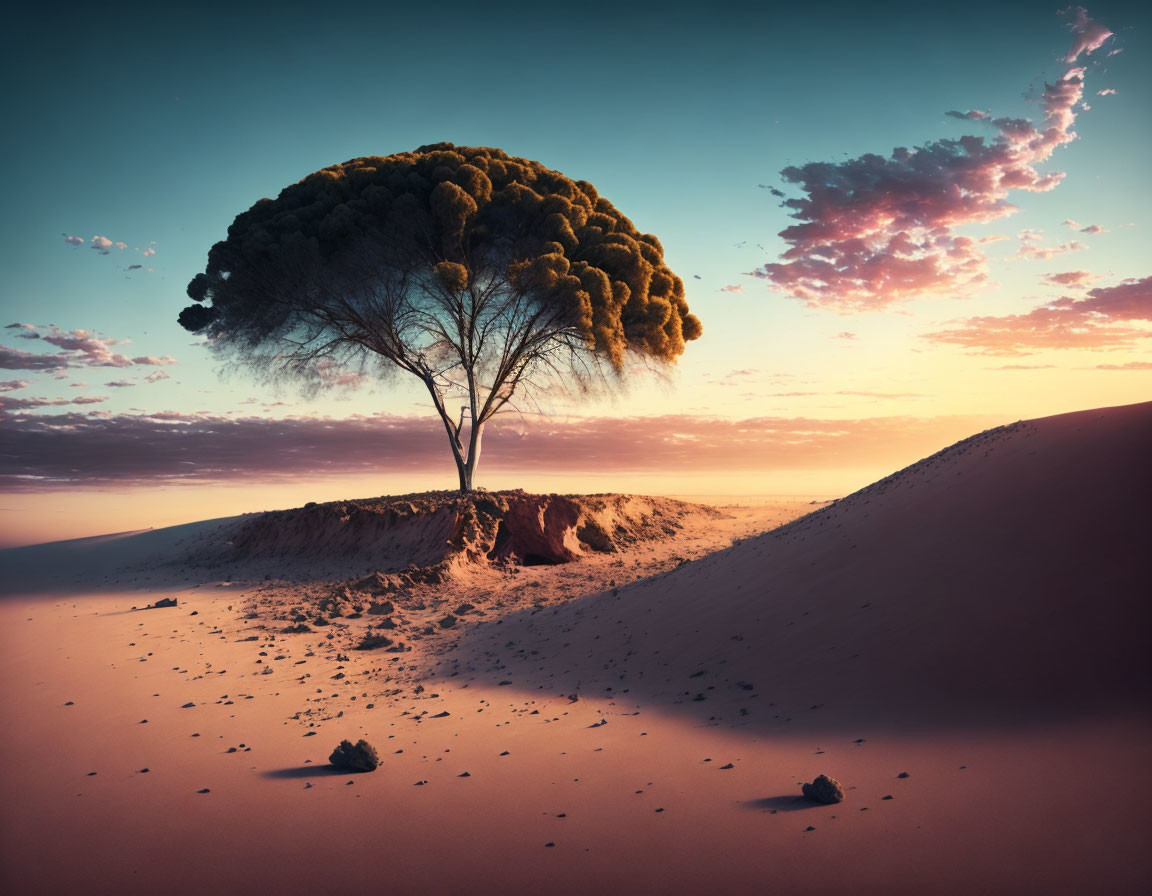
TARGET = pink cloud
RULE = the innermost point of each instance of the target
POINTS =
(156, 376)
(121, 384)
(15, 359)
(86, 348)
(74, 450)
(25, 404)
(1093, 228)
(74, 240)
(732, 287)
(1071, 278)
(13, 385)
(845, 335)
(1029, 251)
(1107, 91)
(1101, 320)
(154, 361)
(1131, 365)
(1089, 35)
(874, 230)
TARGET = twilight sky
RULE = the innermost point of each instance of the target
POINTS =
(898, 227)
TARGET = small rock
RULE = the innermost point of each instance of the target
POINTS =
(361, 757)
(824, 790)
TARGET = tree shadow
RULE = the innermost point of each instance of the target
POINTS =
(305, 771)
(786, 803)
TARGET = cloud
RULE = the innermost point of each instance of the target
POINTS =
(845, 335)
(78, 348)
(70, 450)
(26, 404)
(15, 359)
(1089, 35)
(1130, 365)
(87, 348)
(156, 377)
(732, 287)
(21, 404)
(332, 376)
(1071, 278)
(848, 392)
(1102, 320)
(104, 245)
(1107, 91)
(1093, 228)
(874, 230)
(1024, 367)
(121, 384)
(153, 361)
(1069, 222)
(135, 267)
(13, 385)
(1043, 253)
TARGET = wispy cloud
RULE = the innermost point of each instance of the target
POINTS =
(1071, 278)
(24, 404)
(73, 450)
(874, 229)
(78, 348)
(152, 360)
(1032, 251)
(13, 385)
(105, 245)
(1102, 319)
(1131, 365)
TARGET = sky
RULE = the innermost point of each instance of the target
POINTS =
(898, 225)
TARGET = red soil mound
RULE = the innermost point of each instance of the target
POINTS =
(439, 531)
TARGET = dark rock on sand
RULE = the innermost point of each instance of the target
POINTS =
(371, 642)
(824, 790)
(361, 757)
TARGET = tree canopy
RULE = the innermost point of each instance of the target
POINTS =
(472, 269)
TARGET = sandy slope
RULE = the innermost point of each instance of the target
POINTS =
(977, 622)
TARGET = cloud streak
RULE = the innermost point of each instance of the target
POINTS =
(1106, 318)
(78, 348)
(875, 230)
(72, 450)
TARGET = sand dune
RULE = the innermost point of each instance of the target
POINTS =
(963, 646)
(1002, 579)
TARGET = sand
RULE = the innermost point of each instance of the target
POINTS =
(976, 623)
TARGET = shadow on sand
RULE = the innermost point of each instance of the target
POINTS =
(788, 803)
(306, 771)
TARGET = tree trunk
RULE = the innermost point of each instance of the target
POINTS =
(468, 472)
(465, 476)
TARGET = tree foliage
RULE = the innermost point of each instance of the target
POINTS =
(476, 271)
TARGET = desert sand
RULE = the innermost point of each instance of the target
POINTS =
(963, 645)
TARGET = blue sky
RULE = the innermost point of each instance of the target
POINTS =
(156, 126)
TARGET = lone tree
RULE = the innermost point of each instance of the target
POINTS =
(479, 273)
